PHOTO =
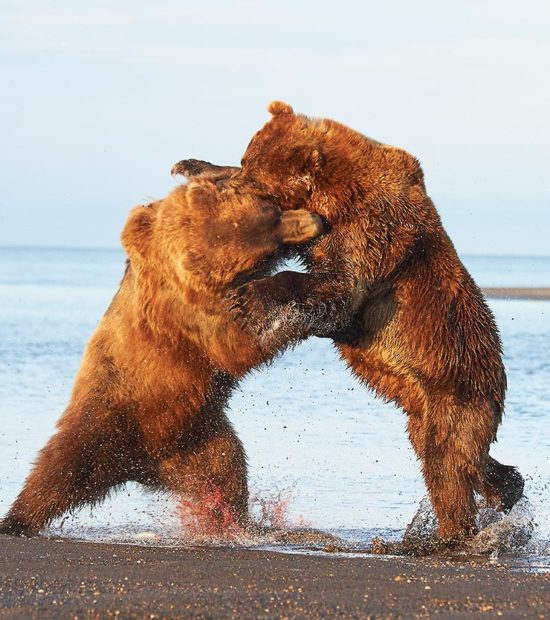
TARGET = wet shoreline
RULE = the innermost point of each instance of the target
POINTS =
(47, 578)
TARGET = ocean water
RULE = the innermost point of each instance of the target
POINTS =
(322, 450)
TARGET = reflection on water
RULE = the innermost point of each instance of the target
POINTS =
(307, 425)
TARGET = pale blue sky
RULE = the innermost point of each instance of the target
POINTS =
(100, 98)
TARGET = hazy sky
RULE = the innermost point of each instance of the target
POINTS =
(99, 99)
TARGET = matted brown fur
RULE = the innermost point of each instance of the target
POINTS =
(387, 285)
(148, 400)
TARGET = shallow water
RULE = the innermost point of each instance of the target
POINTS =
(316, 440)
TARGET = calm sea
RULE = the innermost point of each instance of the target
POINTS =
(315, 438)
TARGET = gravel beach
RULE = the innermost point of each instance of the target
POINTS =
(46, 578)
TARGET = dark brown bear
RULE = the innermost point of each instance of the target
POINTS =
(148, 401)
(387, 285)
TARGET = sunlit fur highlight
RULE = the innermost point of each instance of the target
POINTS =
(149, 397)
(387, 285)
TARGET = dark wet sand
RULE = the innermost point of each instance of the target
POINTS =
(517, 293)
(42, 578)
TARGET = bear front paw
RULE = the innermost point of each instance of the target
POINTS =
(250, 307)
(191, 167)
(16, 527)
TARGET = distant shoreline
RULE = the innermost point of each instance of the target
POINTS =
(533, 294)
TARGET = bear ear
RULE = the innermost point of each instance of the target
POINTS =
(137, 232)
(202, 195)
(276, 108)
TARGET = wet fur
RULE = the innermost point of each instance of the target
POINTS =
(149, 398)
(387, 285)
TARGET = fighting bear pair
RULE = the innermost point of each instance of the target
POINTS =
(383, 281)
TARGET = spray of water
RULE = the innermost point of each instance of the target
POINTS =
(212, 521)
(498, 532)
(170, 521)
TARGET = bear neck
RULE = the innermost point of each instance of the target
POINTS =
(191, 324)
(156, 314)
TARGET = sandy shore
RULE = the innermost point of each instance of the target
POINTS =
(42, 578)
(517, 293)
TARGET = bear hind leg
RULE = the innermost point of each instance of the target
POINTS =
(452, 440)
(78, 465)
(214, 474)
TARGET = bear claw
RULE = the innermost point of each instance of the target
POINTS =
(190, 167)
(248, 308)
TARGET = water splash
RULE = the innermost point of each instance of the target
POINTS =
(498, 532)
(167, 520)
(505, 533)
(212, 521)
(271, 510)
(180, 522)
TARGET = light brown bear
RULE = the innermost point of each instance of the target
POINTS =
(148, 401)
(386, 283)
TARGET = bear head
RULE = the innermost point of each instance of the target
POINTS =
(209, 232)
(325, 166)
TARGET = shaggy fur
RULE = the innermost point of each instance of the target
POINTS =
(387, 285)
(148, 401)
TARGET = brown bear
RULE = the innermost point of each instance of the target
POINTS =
(386, 283)
(148, 401)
